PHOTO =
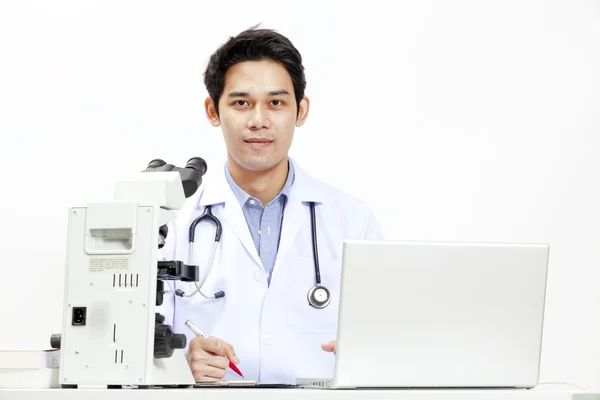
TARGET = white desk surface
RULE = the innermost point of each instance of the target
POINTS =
(295, 394)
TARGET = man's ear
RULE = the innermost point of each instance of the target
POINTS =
(211, 112)
(303, 111)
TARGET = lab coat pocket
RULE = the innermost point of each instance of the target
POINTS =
(300, 315)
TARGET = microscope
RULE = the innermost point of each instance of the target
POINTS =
(112, 335)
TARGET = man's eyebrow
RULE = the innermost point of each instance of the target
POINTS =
(238, 94)
(278, 92)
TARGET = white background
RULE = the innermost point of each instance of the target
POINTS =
(462, 120)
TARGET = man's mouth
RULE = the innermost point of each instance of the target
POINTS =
(258, 140)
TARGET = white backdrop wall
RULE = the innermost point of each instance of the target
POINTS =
(462, 120)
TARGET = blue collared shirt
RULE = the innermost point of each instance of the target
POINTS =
(264, 222)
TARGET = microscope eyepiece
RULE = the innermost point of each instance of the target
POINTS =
(198, 164)
(191, 175)
(156, 163)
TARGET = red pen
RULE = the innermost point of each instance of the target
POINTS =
(199, 333)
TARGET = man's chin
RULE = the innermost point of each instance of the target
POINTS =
(259, 164)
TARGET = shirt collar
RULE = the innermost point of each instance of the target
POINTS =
(243, 197)
(305, 188)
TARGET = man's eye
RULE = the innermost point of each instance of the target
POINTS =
(241, 102)
(277, 102)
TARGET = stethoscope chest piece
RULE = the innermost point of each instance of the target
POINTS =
(319, 296)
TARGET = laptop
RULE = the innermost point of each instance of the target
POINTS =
(439, 315)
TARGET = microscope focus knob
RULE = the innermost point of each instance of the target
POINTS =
(165, 341)
(55, 340)
(178, 341)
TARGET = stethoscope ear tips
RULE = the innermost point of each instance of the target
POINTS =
(319, 296)
(217, 295)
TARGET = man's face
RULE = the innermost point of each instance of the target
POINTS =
(258, 114)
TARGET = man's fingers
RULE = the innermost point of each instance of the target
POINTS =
(209, 358)
(330, 346)
(327, 346)
(219, 347)
(213, 345)
(217, 361)
(230, 353)
(207, 373)
(202, 357)
(195, 343)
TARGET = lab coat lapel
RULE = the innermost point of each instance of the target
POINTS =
(234, 217)
(293, 218)
(218, 191)
(304, 190)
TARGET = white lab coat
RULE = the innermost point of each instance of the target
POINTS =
(276, 334)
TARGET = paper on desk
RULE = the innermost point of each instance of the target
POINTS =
(29, 358)
(225, 383)
(29, 368)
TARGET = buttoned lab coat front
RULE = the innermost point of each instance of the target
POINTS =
(276, 334)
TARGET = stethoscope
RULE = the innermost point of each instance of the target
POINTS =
(318, 295)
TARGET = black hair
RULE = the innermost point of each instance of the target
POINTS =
(254, 44)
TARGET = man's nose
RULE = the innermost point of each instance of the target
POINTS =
(259, 118)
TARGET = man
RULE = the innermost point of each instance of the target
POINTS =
(265, 263)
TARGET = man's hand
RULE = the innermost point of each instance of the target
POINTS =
(329, 347)
(208, 358)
